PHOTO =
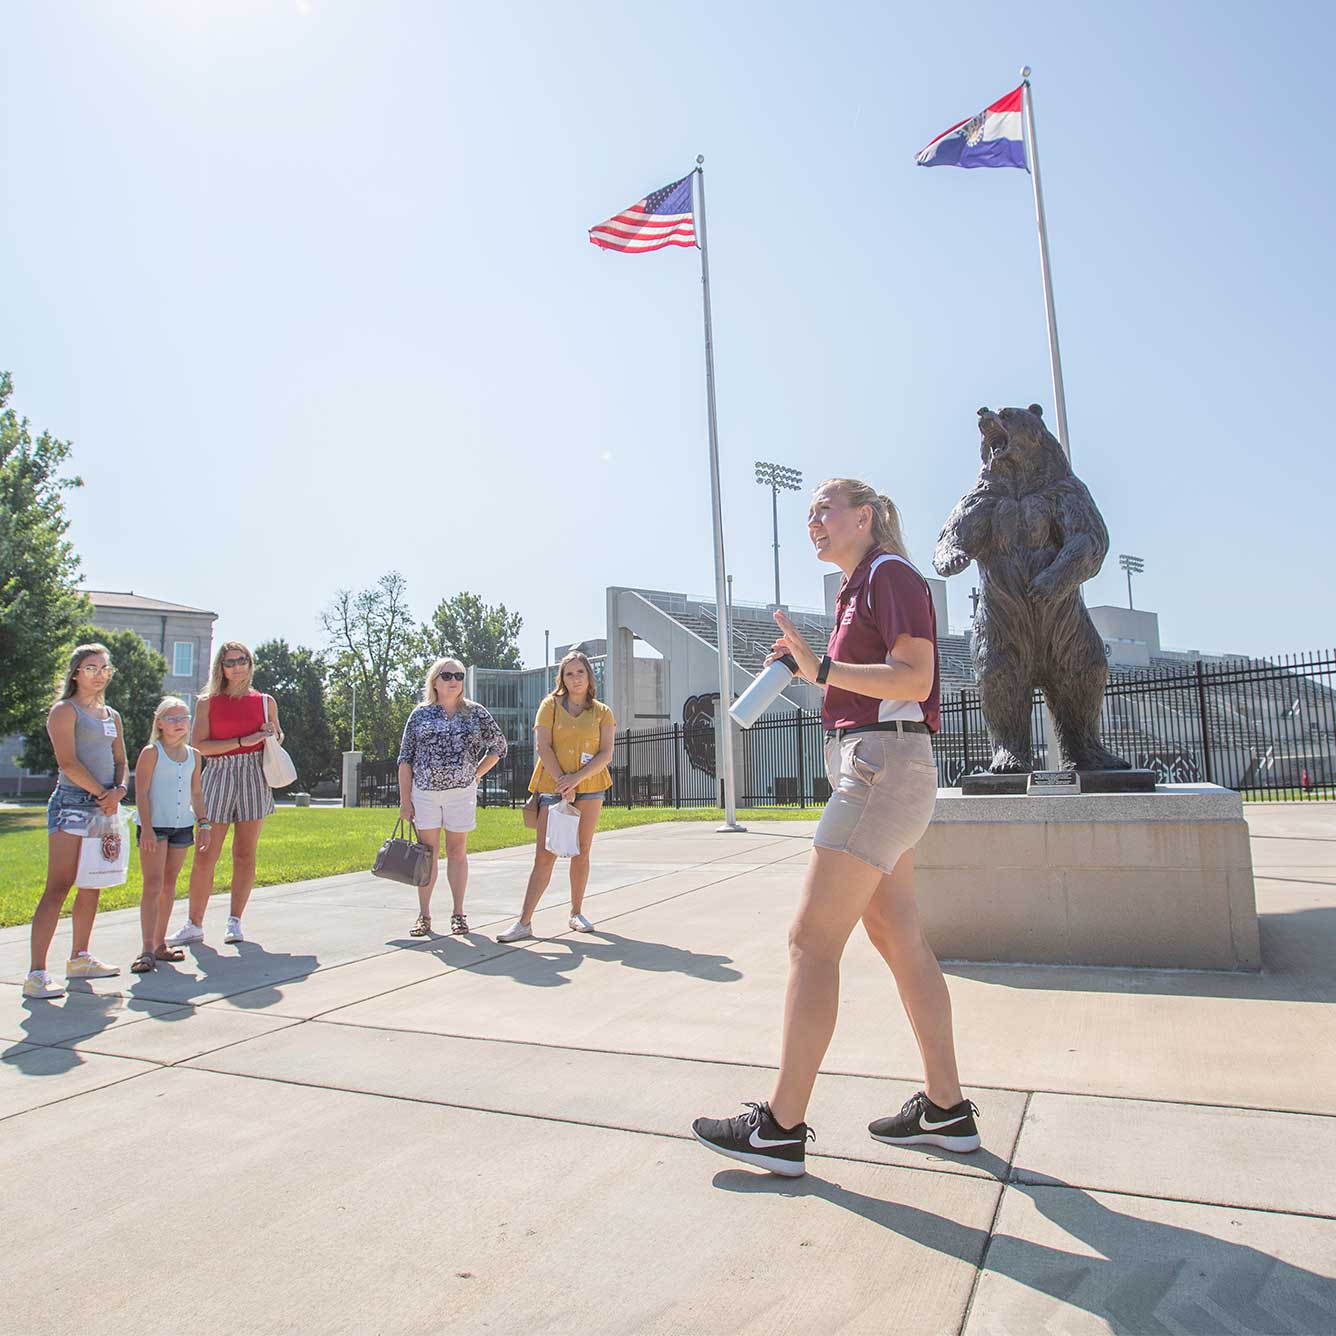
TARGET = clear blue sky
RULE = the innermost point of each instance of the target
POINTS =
(307, 283)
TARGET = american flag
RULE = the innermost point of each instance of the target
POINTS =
(661, 219)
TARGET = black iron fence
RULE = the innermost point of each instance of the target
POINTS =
(1266, 728)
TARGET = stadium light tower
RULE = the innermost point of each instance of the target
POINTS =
(1130, 565)
(777, 477)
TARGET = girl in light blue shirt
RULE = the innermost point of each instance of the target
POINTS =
(171, 803)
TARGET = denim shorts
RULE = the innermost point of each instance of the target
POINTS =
(175, 837)
(552, 799)
(69, 810)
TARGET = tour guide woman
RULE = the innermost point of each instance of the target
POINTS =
(881, 705)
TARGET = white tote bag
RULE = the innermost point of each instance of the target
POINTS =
(104, 853)
(563, 830)
(279, 771)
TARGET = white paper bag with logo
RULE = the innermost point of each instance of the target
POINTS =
(104, 853)
(563, 830)
(279, 771)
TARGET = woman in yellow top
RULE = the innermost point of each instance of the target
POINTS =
(573, 736)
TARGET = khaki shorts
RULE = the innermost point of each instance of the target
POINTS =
(883, 788)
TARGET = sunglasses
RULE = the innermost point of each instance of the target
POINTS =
(167, 719)
(235, 663)
(449, 677)
(97, 669)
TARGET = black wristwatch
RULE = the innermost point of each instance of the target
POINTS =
(824, 671)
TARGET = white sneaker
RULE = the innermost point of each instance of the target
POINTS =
(517, 932)
(41, 983)
(86, 966)
(581, 924)
(186, 935)
(234, 933)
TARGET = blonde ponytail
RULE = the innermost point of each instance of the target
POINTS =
(886, 531)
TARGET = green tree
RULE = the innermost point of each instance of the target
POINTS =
(135, 691)
(295, 678)
(375, 645)
(465, 628)
(39, 605)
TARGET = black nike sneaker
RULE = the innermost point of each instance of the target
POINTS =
(756, 1138)
(923, 1123)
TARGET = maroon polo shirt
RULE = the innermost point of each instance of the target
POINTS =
(873, 609)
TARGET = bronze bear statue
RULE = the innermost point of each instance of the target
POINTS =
(1037, 536)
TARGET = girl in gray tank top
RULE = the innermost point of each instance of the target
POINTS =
(90, 753)
(94, 745)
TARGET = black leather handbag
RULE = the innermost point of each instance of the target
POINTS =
(405, 860)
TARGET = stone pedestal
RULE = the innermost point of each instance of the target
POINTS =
(1160, 879)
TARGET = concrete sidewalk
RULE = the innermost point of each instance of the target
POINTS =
(333, 1128)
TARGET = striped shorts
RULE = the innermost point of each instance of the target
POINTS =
(235, 788)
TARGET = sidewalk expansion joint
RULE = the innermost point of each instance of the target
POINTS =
(1297, 1212)
(992, 1224)
(80, 1094)
(686, 1138)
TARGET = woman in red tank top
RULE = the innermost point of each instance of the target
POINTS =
(231, 724)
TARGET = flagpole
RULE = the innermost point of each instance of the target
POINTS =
(1054, 356)
(724, 728)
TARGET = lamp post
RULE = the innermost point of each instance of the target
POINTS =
(777, 477)
(1130, 565)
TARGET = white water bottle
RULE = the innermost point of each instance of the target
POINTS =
(764, 691)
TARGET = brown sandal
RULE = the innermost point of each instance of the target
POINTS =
(422, 928)
(166, 952)
(144, 963)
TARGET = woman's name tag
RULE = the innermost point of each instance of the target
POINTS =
(586, 757)
(109, 728)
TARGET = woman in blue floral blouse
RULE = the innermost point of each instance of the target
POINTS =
(449, 744)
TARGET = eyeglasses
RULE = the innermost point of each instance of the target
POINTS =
(167, 719)
(97, 669)
(449, 677)
(235, 663)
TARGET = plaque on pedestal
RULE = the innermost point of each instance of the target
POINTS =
(1091, 781)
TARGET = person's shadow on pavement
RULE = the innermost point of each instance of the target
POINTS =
(1145, 1277)
(250, 977)
(80, 1014)
(657, 957)
(549, 962)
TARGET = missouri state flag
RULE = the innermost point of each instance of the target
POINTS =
(993, 138)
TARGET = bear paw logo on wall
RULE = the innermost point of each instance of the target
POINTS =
(698, 730)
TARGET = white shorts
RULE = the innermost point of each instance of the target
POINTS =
(455, 809)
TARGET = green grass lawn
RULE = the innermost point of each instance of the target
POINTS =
(304, 842)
